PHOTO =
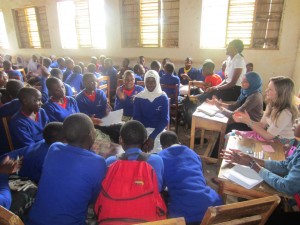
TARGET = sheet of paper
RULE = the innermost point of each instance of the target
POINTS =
(114, 117)
(268, 148)
(244, 176)
(208, 109)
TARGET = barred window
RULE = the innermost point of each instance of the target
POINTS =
(255, 22)
(82, 24)
(32, 27)
(3, 34)
(150, 23)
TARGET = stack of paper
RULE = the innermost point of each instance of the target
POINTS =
(244, 176)
(208, 109)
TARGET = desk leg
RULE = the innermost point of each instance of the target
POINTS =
(221, 143)
(221, 191)
(192, 141)
(202, 138)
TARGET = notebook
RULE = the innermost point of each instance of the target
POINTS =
(208, 109)
(244, 176)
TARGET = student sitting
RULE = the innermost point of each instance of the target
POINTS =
(33, 155)
(170, 79)
(3, 79)
(71, 177)
(132, 137)
(139, 72)
(188, 72)
(208, 72)
(151, 108)
(125, 66)
(27, 125)
(58, 74)
(126, 93)
(12, 74)
(111, 72)
(163, 63)
(249, 67)
(61, 65)
(76, 79)
(155, 65)
(11, 91)
(188, 194)
(221, 73)
(142, 61)
(69, 70)
(277, 121)
(47, 63)
(91, 68)
(59, 106)
(250, 100)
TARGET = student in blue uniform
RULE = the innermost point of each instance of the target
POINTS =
(151, 108)
(132, 136)
(189, 196)
(91, 68)
(76, 79)
(58, 74)
(71, 177)
(59, 106)
(126, 93)
(69, 70)
(188, 72)
(91, 101)
(111, 72)
(170, 79)
(27, 125)
(155, 65)
(34, 155)
(139, 72)
(12, 74)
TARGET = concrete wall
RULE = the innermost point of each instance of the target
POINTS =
(285, 61)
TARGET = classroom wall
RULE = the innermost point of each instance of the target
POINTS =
(285, 61)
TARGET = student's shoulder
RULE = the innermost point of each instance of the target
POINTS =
(139, 88)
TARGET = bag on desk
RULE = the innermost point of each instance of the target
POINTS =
(189, 107)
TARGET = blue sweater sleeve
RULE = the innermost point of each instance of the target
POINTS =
(289, 183)
(10, 108)
(164, 117)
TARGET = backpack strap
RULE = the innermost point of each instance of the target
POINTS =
(142, 156)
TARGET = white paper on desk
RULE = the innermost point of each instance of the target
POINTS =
(244, 176)
(208, 109)
(113, 117)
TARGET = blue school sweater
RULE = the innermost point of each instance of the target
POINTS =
(127, 103)
(170, 79)
(154, 160)
(137, 77)
(14, 74)
(5, 195)
(189, 196)
(76, 81)
(24, 131)
(88, 107)
(112, 73)
(66, 74)
(71, 179)
(194, 74)
(33, 159)
(57, 112)
(152, 114)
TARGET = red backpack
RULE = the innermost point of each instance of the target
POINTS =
(130, 193)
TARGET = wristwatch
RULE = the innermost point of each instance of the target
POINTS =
(251, 164)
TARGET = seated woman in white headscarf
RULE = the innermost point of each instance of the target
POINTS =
(151, 108)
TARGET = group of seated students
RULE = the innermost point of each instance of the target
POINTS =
(58, 115)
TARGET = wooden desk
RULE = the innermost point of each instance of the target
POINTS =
(227, 187)
(205, 122)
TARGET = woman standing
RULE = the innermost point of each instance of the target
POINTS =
(151, 108)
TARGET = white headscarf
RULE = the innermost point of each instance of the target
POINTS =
(145, 94)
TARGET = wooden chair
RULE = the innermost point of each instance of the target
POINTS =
(174, 105)
(23, 74)
(104, 85)
(141, 83)
(255, 211)
(9, 218)
(5, 121)
(174, 221)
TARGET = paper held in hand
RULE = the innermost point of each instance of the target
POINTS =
(243, 176)
(208, 109)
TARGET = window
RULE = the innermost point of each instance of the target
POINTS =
(32, 26)
(82, 24)
(3, 34)
(255, 22)
(150, 23)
